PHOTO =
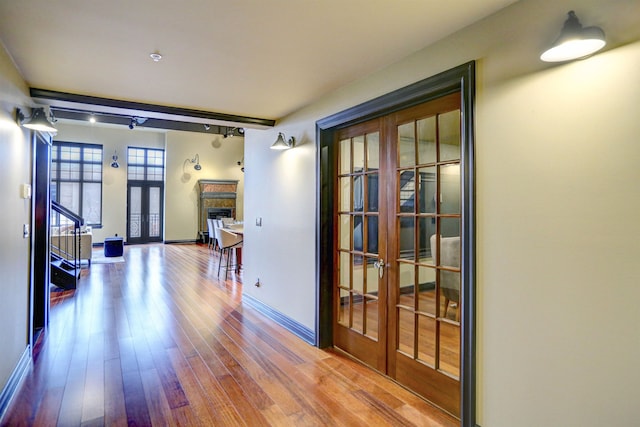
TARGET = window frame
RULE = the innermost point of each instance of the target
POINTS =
(56, 170)
(146, 165)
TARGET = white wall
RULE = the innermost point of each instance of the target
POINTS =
(557, 203)
(114, 181)
(219, 160)
(15, 153)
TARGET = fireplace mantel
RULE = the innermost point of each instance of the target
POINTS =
(215, 193)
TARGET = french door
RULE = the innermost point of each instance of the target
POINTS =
(144, 212)
(397, 277)
(145, 195)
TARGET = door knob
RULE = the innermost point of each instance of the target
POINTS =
(380, 266)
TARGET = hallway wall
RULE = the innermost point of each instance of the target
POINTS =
(557, 203)
(15, 152)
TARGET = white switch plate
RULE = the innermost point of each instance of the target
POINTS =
(25, 191)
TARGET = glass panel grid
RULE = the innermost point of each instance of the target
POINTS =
(371, 317)
(357, 183)
(345, 157)
(428, 205)
(427, 340)
(373, 151)
(449, 348)
(406, 331)
(77, 179)
(358, 153)
(144, 164)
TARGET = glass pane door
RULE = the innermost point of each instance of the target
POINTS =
(425, 331)
(359, 289)
(145, 195)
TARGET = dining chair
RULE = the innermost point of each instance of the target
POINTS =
(211, 226)
(227, 241)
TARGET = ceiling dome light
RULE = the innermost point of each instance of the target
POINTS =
(574, 41)
(156, 56)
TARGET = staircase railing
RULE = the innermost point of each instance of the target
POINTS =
(65, 238)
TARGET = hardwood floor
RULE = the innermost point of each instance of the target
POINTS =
(159, 340)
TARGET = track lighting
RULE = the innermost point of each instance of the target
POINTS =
(136, 121)
(574, 41)
(282, 143)
(37, 121)
(195, 160)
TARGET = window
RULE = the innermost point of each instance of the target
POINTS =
(76, 179)
(145, 164)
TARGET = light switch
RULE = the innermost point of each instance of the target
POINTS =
(25, 231)
(259, 221)
(25, 191)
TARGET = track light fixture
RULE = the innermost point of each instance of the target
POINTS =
(37, 121)
(574, 41)
(195, 160)
(282, 143)
(231, 132)
(135, 121)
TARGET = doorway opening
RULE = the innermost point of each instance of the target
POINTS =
(145, 195)
(391, 212)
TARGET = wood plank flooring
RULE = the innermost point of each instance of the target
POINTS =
(159, 340)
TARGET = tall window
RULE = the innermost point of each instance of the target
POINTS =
(76, 179)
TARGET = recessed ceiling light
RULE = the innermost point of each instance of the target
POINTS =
(156, 57)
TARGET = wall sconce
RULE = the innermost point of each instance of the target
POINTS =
(37, 121)
(282, 143)
(195, 160)
(574, 41)
(114, 163)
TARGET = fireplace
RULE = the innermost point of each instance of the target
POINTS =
(219, 213)
(217, 200)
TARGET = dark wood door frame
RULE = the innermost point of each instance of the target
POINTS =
(461, 78)
(40, 214)
(145, 223)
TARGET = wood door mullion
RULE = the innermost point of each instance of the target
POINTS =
(392, 188)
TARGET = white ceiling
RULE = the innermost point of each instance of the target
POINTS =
(255, 58)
